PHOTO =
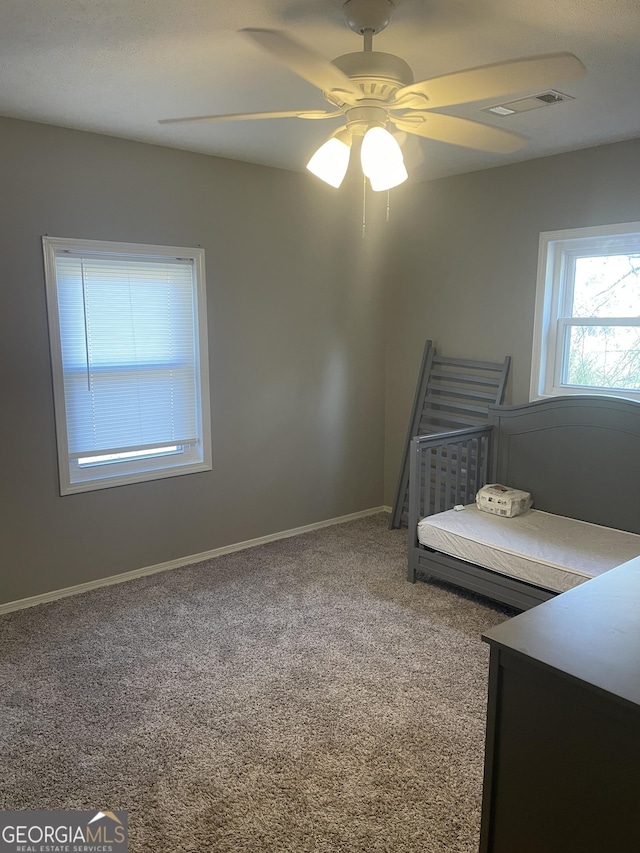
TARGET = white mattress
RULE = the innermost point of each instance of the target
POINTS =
(547, 550)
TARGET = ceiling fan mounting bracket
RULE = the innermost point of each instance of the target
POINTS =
(368, 16)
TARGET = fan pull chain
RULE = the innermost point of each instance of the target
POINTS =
(364, 206)
(388, 203)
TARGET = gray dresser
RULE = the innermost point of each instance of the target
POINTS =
(562, 763)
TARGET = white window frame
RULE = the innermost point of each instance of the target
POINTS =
(557, 254)
(187, 459)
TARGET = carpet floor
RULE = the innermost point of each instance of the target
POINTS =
(298, 696)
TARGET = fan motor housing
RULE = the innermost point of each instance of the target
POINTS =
(371, 66)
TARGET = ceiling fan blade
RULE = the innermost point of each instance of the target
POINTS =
(459, 131)
(492, 81)
(302, 61)
(311, 114)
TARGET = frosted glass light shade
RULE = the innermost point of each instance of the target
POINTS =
(394, 174)
(330, 162)
(382, 161)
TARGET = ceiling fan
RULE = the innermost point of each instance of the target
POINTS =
(373, 90)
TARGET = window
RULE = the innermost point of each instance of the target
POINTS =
(587, 324)
(127, 327)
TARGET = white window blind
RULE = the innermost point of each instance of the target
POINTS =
(129, 362)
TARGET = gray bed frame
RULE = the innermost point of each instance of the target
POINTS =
(579, 456)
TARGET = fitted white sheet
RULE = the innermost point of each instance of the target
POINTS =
(550, 551)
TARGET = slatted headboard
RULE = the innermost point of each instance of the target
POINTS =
(452, 393)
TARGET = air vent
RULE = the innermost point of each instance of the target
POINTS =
(551, 97)
(534, 102)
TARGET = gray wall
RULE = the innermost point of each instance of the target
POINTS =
(296, 353)
(463, 263)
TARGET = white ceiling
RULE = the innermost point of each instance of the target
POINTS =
(116, 66)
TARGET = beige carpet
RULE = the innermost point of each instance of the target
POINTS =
(300, 696)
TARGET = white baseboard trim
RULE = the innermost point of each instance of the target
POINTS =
(55, 594)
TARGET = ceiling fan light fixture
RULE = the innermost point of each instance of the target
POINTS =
(372, 89)
(330, 162)
(382, 160)
(394, 175)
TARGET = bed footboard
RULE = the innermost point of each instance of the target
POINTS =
(445, 470)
